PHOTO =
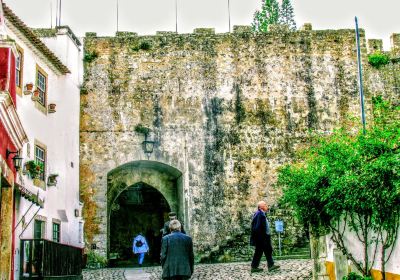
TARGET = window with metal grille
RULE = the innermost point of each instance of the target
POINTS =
(41, 86)
(40, 158)
(56, 232)
(18, 67)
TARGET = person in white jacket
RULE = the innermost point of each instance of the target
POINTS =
(140, 247)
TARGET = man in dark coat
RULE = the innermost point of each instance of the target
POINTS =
(177, 258)
(261, 239)
(172, 216)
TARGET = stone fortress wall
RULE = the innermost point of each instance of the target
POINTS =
(226, 111)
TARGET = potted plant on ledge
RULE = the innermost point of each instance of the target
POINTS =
(28, 89)
(35, 95)
(52, 108)
(52, 180)
(33, 169)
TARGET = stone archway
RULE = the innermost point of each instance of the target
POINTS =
(156, 183)
(138, 209)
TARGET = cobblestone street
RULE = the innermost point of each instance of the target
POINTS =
(290, 270)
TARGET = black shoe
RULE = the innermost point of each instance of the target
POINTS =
(274, 267)
(254, 269)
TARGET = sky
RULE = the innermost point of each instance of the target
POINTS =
(379, 18)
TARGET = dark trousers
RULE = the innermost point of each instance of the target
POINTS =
(265, 248)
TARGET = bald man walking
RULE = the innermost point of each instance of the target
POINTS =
(261, 239)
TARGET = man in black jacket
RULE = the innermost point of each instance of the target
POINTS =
(172, 216)
(177, 258)
(261, 239)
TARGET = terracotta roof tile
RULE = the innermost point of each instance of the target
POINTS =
(18, 23)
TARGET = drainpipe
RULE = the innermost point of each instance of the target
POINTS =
(13, 239)
(360, 80)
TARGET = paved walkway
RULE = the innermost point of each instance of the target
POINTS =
(290, 270)
(136, 274)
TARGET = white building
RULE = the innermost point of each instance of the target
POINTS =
(47, 204)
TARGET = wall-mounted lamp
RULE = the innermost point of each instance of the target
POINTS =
(17, 160)
(148, 145)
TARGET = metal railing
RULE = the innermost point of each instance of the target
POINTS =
(45, 259)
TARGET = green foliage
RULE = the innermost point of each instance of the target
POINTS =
(83, 89)
(135, 48)
(378, 59)
(142, 129)
(90, 56)
(350, 177)
(145, 45)
(268, 15)
(34, 169)
(95, 260)
(354, 276)
(287, 15)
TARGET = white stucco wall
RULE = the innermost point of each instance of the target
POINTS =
(59, 132)
(356, 248)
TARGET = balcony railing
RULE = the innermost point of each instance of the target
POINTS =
(44, 259)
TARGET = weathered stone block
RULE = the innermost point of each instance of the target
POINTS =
(125, 34)
(278, 28)
(163, 33)
(242, 29)
(374, 45)
(204, 31)
(306, 27)
(91, 34)
(395, 42)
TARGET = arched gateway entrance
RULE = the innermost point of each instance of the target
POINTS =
(139, 196)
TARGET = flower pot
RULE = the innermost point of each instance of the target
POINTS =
(29, 86)
(52, 108)
(28, 89)
(51, 183)
(39, 183)
(52, 180)
(35, 95)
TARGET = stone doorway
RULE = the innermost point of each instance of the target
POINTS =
(138, 209)
(139, 196)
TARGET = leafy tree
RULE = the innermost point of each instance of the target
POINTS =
(378, 59)
(349, 181)
(287, 15)
(268, 15)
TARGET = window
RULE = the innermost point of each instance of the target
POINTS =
(41, 83)
(38, 229)
(56, 232)
(18, 70)
(40, 158)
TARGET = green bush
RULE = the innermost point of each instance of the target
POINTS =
(142, 129)
(354, 276)
(378, 59)
(145, 45)
(90, 56)
(351, 180)
(95, 260)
